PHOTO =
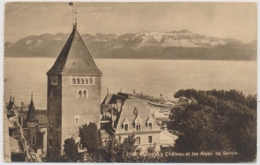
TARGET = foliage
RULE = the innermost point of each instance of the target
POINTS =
(90, 137)
(70, 150)
(217, 121)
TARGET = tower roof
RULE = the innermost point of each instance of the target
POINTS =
(31, 114)
(74, 58)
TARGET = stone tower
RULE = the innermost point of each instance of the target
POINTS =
(74, 93)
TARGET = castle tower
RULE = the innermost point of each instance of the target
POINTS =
(74, 93)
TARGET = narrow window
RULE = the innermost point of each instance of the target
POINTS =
(150, 139)
(82, 81)
(84, 93)
(34, 140)
(90, 80)
(77, 121)
(86, 81)
(78, 81)
(73, 81)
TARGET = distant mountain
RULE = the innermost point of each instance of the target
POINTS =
(145, 45)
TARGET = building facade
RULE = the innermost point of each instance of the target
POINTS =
(121, 116)
(74, 93)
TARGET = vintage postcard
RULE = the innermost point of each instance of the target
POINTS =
(130, 82)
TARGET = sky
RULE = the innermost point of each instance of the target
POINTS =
(236, 20)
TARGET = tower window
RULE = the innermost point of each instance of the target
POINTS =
(84, 93)
(90, 81)
(82, 81)
(79, 93)
(78, 81)
(86, 81)
(73, 81)
(54, 80)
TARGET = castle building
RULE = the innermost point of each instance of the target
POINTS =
(74, 93)
(35, 129)
(26, 137)
(122, 116)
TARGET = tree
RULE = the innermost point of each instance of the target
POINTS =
(217, 121)
(70, 150)
(90, 137)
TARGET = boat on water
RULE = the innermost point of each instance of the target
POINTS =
(160, 104)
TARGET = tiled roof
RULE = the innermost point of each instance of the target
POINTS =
(112, 99)
(128, 113)
(75, 58)
(15, 146)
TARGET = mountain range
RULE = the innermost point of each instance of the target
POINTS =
(181, 44)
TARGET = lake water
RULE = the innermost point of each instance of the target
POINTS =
(151, 77)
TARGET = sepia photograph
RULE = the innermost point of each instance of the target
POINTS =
(130, 82)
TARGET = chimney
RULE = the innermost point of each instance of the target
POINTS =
(22, 104)
(10, 98)
(119, 105)
(13, 99)
(112, 117)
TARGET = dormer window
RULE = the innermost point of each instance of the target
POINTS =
(125, 125)
(138, 123)
(150, 123)
(54, 80)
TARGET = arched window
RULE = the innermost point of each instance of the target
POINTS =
(79, 93)
(78, 81)
(86, 81)
(73, 81)
(90, 80)
(84, 93)
(82, 81)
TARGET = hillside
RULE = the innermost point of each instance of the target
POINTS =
(144, 45)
